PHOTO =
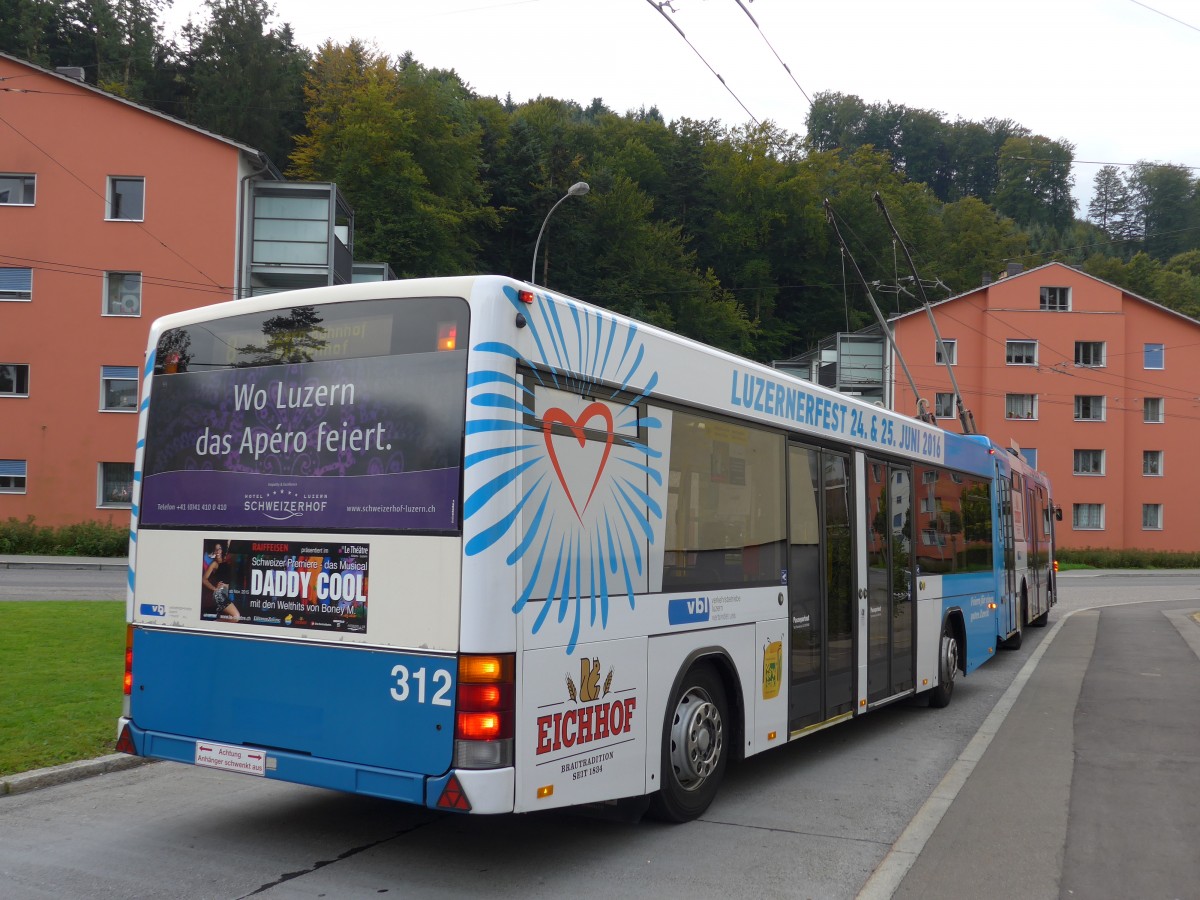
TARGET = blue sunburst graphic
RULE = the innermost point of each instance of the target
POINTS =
(571, 557)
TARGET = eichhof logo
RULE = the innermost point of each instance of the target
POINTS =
(593, 719)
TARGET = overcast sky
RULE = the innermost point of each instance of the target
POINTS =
(1116, 78)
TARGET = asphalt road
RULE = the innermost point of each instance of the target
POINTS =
(813, 819)
(61, 580)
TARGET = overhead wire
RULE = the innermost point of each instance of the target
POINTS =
(763, 35)
(662, 11)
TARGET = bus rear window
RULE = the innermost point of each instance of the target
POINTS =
(340, 417)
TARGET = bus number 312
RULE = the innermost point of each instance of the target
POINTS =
(401, 690)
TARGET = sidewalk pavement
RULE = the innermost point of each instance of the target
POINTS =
(63, 562)
(1082, 782)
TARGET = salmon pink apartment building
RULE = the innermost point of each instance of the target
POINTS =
(1097, 387)
(113, 214)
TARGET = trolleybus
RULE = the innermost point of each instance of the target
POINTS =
(475, 545)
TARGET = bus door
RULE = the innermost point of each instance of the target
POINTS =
(1008, 604)
(890, 619)
(820, 587)
(1034, 510)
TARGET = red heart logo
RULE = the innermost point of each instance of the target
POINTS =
(559, 416)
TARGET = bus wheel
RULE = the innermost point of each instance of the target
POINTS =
(1041, 621)
(940, 696)
(694, 751)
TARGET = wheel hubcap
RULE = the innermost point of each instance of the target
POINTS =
(697, 738)
(949, 657)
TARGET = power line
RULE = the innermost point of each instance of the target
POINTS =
(777, 56)
(1164, 15)
(662, 8)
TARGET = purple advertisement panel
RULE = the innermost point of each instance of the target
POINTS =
(372, 443)
(289, 584)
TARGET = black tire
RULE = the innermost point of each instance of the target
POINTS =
(1041, 621)
(695, 747)
(948, 652)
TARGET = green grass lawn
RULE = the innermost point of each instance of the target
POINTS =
(61, 664)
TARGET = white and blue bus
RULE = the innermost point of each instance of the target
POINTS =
(470, 544)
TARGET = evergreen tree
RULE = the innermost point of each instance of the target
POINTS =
(246, 76)
(1166, 198)
(1110, 206)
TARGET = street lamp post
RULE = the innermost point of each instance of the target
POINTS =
(578, 189)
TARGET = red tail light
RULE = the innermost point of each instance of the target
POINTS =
(128, 684)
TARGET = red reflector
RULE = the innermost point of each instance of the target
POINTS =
(525, 296)
(453, 796)
(125, 742)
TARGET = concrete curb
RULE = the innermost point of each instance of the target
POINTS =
(40, 778)
(63, 562)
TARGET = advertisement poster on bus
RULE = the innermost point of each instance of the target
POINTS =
(586, 732)
(289, 584)
(371, 443)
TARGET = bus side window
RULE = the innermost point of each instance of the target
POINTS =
(725, 505)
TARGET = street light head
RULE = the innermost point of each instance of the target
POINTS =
(579, 188)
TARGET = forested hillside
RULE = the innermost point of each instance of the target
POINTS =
(714, 229)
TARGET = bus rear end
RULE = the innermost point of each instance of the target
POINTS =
(295, 602)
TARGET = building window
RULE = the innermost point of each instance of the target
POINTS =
(1089, 462)
(126, 199)
(122, 294)
(12, 476)
(17, 190)
(1089, 353)
(1089, 408)
(1152, 409)
(1152, 462)
(1087, 516)
(1152, 517)
(1020, 406)
(1154, 356)
(14, 380)
(1055, 299)
(1030, 454)
(116, 484)
(951, 352)
(118, 388)
(943, 405)
(16, 284)
(1020, 353)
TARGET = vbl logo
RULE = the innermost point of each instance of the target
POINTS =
(688, 610)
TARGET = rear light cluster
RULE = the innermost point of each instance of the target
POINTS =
(485, 708)
(128, 683)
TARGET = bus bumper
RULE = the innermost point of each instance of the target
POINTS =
(486, 791)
